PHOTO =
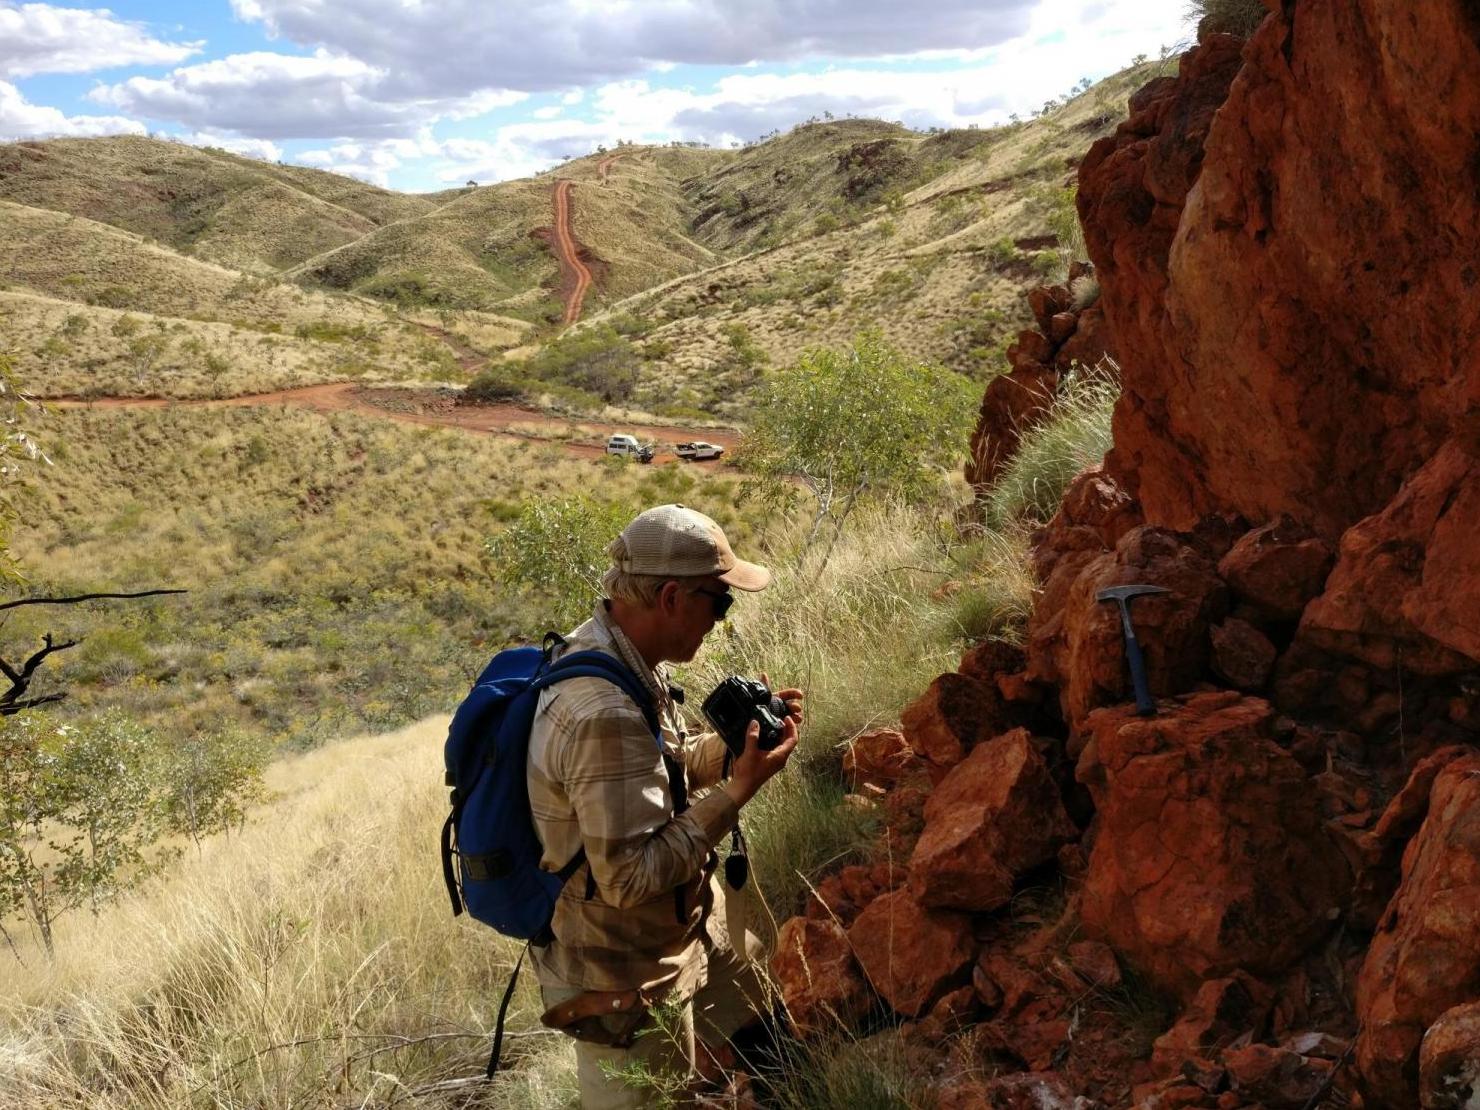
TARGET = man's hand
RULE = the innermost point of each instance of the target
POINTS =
(791, 696)
(754, 766)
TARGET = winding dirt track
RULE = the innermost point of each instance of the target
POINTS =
(570, 259)
(433, 409)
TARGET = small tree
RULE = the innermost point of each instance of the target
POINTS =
(858, 423)
(554, 552)
(212, 778)
(77, 812)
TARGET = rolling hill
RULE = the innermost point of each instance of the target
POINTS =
(706, 264)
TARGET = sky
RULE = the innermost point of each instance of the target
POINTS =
(419, 95)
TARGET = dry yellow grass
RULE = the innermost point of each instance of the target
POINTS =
(312, 953)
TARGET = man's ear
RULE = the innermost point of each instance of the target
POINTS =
(668, 596)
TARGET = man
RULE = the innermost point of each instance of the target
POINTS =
(644, 947)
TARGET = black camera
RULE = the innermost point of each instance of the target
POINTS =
(736, 702)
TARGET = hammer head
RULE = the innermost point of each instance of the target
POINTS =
(1125, 593)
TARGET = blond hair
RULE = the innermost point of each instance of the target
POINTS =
(635, 589)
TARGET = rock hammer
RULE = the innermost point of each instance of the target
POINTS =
(1122, 595)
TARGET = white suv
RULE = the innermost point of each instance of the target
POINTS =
(628, 447)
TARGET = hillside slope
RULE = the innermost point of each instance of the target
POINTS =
(241, 212)
(949, 233)
(489, 248)
(714, 263)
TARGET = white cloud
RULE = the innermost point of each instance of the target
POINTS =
(548, 112)
(20, 119)
(453, 47)
(41, 38)
(251, 148)
(282, 96)
(371, 161)
(1068, 39)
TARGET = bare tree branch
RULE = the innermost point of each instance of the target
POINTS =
(82, 597)
(20, 680)
(9, 709)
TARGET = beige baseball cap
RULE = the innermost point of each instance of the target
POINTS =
(677, 541)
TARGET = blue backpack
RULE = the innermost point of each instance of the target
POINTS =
(490, 831)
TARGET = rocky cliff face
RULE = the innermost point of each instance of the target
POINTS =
(1287, 252)
(1283, 857)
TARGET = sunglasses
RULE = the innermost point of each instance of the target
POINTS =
(720, 599)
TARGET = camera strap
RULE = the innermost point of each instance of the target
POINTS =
(737, 863)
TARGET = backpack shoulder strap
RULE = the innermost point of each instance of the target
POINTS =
(598, 664)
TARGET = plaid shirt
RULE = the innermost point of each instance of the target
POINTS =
(596, 779)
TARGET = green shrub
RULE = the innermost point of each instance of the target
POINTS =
(600, 364)
(1003, 251)
(554, 553)
(494, 384)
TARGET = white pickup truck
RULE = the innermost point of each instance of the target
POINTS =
(698, 450)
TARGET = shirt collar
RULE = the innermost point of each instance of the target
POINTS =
(655, 679)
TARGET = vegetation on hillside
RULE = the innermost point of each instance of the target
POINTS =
(301, 622)
(1233, 17)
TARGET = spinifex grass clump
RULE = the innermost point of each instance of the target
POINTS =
(1075, 435)
(1231, 17)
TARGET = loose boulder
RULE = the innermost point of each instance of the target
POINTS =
(955, 714)
(821, 984)
(1425, 957)
(879, 757)
(995, 816)
(1449, 1061)
(1406, 587)
(1278, 568)
(910, 954)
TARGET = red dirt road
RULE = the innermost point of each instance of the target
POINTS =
(434, 409)
(576, 277)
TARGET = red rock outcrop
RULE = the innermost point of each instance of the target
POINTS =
(1284, 234)
(1066, 336)
(1425, 957)
(1080, 648)
(1282, 250)
(997, 815)
(1406, 587)
(1211, 854)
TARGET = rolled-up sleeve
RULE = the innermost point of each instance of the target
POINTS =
(613, 775)
(705, 758)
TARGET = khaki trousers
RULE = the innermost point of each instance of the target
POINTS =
(668, 1055)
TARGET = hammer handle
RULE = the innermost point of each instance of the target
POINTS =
(1145, 704)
